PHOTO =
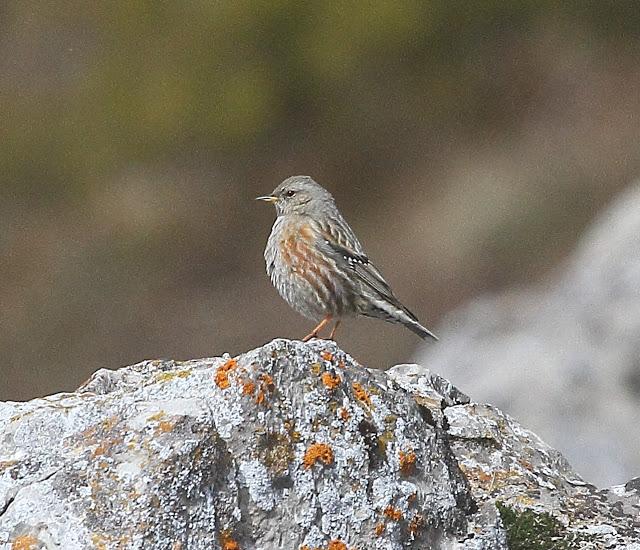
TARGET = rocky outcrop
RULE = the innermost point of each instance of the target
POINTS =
(292, 445)
(563, 358)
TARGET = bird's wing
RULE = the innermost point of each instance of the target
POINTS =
(345, 248)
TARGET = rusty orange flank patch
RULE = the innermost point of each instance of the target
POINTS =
(318, 451)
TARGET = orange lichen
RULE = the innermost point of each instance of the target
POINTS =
(24, 542)
(407, 462)
(379, 529)
(164, 427)
(361, 393)
(326, 356)
(100, 449)
(222, 374)
(336, 545)
(227, 541)
(330, 381)
(248, 387)
(267, 382)
(318, 451)
(341, 364)
(344, 414)
(266, 385)
(416, 523)
(393, 513)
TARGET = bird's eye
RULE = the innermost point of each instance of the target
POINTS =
(290, 193)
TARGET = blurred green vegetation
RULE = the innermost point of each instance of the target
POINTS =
(481, 136)
(89, 87)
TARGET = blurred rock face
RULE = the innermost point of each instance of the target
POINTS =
(564, 359)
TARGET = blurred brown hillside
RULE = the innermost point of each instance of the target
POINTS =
(467, 143)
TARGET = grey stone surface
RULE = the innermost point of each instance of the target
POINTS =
(563, 358)
(291, 445)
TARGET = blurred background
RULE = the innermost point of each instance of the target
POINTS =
(469, 145)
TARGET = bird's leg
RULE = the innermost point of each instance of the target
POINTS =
(333, 332)
(319, 327)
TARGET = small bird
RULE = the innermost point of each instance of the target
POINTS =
(318, 266)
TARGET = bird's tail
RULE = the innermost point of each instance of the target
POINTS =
(421, 331)
(397, 313)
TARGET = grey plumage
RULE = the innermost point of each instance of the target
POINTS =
(319, 267)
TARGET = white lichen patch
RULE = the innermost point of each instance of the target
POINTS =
(256, 478)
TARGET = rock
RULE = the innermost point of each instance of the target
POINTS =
(291, 445)
(563, 358)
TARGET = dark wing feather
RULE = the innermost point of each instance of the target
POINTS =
(346, 249)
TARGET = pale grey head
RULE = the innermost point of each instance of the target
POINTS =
(300, 195)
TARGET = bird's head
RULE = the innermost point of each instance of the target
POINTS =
(300, 195)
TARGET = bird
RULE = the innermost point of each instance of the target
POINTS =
(317, 264)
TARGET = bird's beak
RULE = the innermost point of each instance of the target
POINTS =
(267, 198)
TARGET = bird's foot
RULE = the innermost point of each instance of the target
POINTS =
(314, 333)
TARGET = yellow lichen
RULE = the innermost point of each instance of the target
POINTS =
(166, 376)
(316, 452)
(331, 382)
(99, 541)
(316, 368)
